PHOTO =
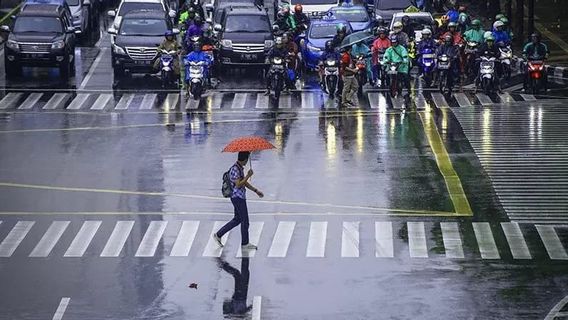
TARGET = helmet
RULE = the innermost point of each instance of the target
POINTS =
(448, 38)
(275, 28)
(489, 38)
(504, 20)
(487, 34)
(476, 23)
(462, 9)
(498, 24)
(452, 25)
(535, 36)
(208, 32)
(298, 8)
(426, 32)
(445, 19)
(397, 26)
(499, 16)
(278, 41)
(280, 15)
(328, 45)
(341, 28)
(393, 40)
(169, 33)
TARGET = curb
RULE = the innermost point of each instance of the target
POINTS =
(558, 72)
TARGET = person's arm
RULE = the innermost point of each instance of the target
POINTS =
(253, 189)
(241, 182)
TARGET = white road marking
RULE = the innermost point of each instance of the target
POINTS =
(61, 309)
(148, 101)
(308, 100)
(285, 102)
(185, 239)
(555, 313)
(192, 104)
(239, 101)
(516, 240)
(373, 98)
(94, 67)
(417, 240)
(317, 239)
(420, 102)
(282, 238)
(83, 239)
(255, 230)
(552, 242)
(102, 101)
(528, 97)
(171, 101)
(10, 100)
(30, 101)
(151, 239)
(506, 98)
(452, 240)
(439, 100)
(124, 101)
(485, 240)
(256, 307)
(15, 237)
(117, 238)
(214, 101)
(50, 239)
(79, 101)
(212, 249)
(484, 99)
(559, 72)
(350, 239)
(462, 99)
(57, 101)
(384, 247)
(262, 101)
(397, 103)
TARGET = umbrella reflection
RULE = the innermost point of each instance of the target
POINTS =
(237, 305)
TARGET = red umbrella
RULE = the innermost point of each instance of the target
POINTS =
(251, 143)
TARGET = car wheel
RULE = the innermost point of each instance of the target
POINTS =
(13, 69)
(65, 68)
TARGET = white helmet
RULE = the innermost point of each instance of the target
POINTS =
(498, 24)
(278, 41)
(397, 26)
(426, 32)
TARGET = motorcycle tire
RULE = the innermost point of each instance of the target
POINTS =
(393, 86)
(535, 86)
(427, 80)
(443, 83)
(331, 86)
(196, 91)
(486, 85)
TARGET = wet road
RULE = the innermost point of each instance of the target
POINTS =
(427, 208)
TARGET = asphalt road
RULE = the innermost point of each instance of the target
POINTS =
(427, 208)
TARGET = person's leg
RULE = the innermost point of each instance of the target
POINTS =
(242, 213)
(234, 222)
(344, 90)
(354, 87)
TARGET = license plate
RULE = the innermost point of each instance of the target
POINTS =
(249, 56)
(142, 62)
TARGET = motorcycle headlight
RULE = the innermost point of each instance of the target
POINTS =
(313, 48)
(268, 44)
(227, 44)
(58, 44)
(118, 49)
(13, 45)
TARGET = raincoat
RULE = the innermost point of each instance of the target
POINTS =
(379, 45)
(397, 54)
(362, 49)
(474, 35)
(502, 36)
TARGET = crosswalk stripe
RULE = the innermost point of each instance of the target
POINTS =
(506, 97)
(350, 239)
(255, 230)
(373, 98)
(171, 101)
(57, 101)
(559, 72)
(78, 102)
(185, 239)
(462, 99)
(117, 238)
(15, 237)
(262, 101)
(214, 101)
(317, 239)
(516, 240)
(285, 102)
(552, 242)
(151, 239)
(397, 103)
(239, 101)
(102, 102)
(417, 240)
(83, 239)
(124, 101)
(10, 100)
(452, 240)
(192, 104)
(50, 239)
(485, 241)
(212, 249)
(420, 101)
(148, 101)
(484, 99)
(307, 100)
(30, 101)
(384, 246)
(439, 100)
(528, 97)
(282, 238)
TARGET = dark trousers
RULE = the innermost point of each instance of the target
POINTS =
(241, 217)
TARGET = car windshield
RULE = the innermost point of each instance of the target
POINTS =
(38, 24)
(143, 27)
(219, 12)
(312, 2)
(72, 3)
(351, 15)
(247, 23)
(417, 23)
(129, 6)
(393, 4)
(320, 31)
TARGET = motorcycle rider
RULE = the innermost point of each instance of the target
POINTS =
(475, 34)
(197, 55)
(426, 42)
(329, 52)
(501, 36)
(360, 48)
(453, 13)
(381, 44)
(278, 50)
(400, 35)
(300, 19)
(407, 26)
(449, 49)
(341, 33)
(454, 33)
(397, 54)
(442, 27)
(490, 50)
(197, 7)
(535, 50)
(291, 49)
(169, 44)
(464, 20)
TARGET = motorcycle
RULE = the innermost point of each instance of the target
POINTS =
(361, 65)
(471, 49)
(167, 73)
(195, 78)
(381, 74)
(190, 42)
(536, 75)
(487, 74)
(331, 76)
(209, 50)
(394, 80)
(444, 76)
(277, 74)
(506, 59)
(427, 64)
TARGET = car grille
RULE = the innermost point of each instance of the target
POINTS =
(140, 53)
(248, 48)
(27, 47)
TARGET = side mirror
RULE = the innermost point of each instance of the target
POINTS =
(172, 13)
(217, 27)
(72, 30)
(111, 13)
(175, 30)
(111, 30)
(5, 28)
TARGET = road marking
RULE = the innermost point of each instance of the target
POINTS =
(171, 101)
(373, 98)
(117, 238)
(417, 240)
(94, 67)
(556, 310)
(125, 101)
(552, 242)
(397, 103)
(384, 246)
(262, 101)
(101, 102)
(214, 101)
(83, 239)
(453, 183)
(255, 230)
(78, 102)
(14, 238)
(350, 239)
(30, 101)
(212, 249)
(285, 102)
(559, 72)
(185, 239)
(57, 101)
(506, 98)
(484, 99)
(256, 307)
(192, 104)
(307, 100)
(439, 100)
(462, 99)
(282, 238)
(148, 101)
(49, 239)
(420, 102)
(239, 101)
(528, 97)
(61, 309)
(151, 239)
(516, 240)
(485, 240)
(317, 239)
(452, 240)
(10, 100)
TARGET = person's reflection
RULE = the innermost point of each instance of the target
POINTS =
(238, 303)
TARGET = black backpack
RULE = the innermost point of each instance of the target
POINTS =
(227, 186)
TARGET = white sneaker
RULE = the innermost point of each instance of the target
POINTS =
(217, 239)
(249, 246)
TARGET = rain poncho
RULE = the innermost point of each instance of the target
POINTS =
(362, 49)
(502, 36)
(397, 54)
(474, 35)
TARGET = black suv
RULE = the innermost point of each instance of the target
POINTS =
(135, 47)
(245, 37)
(42, 35)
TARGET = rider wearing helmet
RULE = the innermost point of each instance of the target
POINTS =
(195, 29)
(196, 5)
(380, 46)
(328, 53)
(453, 13)
(397, 54)
(454, 33)
(277, 50)
(197, 55)
(507, 26)
(501, 36)
(449, 49)
(169, 44)
(186, 16)
(442, 27)
(490, 50)
(464, 20)
(407, 26)
(475, 34)
(402, 36)
(284, 21)
(341, 32)
(535, 50)
(427, 40)
(300, 18)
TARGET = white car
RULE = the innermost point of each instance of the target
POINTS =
(314, 9)
(418, 20)
(129, 5)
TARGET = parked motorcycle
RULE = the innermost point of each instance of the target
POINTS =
(506, 59)
(331, 76)
(427, 65)
(445, 81)
(536, 76)
(195, 78)
(167, 73)
(487, 75)
(277, 73)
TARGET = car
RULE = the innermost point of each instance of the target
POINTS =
(418, 21)
(135, 47)
(315, 9)
(129, 5)
(245, 36)
(357, 16)
(313, 44)
(214, 9)
(80, 10)
(385, 9)
(41, 35)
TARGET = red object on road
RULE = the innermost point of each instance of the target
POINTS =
(251, 143)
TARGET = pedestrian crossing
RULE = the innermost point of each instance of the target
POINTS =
(283, 239)
(524, 151)
(240, 101)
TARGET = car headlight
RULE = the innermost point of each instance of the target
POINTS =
(313, 48)
(58, 45)
(13, 45)
(118, 49)
(227, 44)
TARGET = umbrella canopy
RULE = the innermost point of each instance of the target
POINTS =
(252, 143)
(356, 37)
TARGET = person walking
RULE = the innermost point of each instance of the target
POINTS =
(239, 184)
(350, 84)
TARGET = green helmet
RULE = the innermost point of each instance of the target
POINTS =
(452, 24)
(500, 16)
(476, 23)
(488, 34)
(489, 38)
(504, 20)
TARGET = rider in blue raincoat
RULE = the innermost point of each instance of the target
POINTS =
(196, 56)
(360, 48)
